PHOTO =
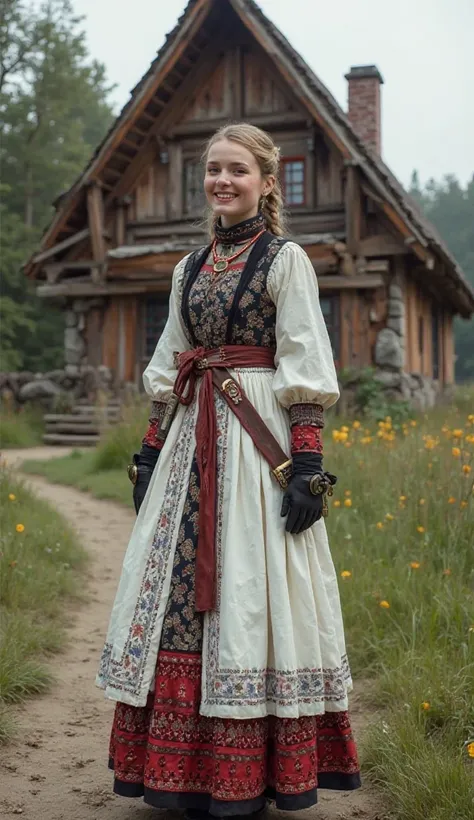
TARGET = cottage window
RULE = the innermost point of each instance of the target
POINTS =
(293, 180)
(156, 314)
(193, 179)
(330, 309)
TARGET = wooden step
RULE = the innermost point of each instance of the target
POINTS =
(84, 409)
(70, 440)
(72, 426)
(79, 420)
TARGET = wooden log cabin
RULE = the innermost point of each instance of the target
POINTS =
(389, 285)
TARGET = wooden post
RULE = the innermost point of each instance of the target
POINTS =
(95, 210)
(353, 210)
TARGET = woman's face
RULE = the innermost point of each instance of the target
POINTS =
(233, 183)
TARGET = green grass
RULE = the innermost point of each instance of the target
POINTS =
(418, 651)
(40, 572)
(23, 428)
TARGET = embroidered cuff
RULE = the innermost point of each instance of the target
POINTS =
(305, 438)
(151, 436)
(307, 414)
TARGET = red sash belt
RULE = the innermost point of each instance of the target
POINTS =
(194, 364)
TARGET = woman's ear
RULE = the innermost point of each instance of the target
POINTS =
(269, 185)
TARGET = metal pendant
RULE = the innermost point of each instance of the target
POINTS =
(220, 266)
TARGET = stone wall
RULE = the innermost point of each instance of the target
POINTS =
(420, 391)
(57, 390)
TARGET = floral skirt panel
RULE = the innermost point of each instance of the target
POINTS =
(176, 758)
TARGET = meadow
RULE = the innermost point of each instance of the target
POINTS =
(401, 528)
(41, 566)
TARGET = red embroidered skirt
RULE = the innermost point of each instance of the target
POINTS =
(175, 758)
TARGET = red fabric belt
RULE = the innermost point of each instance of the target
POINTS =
(194, 364)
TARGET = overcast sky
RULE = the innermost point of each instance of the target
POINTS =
(423, 48)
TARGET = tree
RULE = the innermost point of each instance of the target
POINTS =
(451, 209)
(53, 112)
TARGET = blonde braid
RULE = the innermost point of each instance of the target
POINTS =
(273, 211)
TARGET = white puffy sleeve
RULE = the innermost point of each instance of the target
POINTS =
(160, 375)
(304, 362)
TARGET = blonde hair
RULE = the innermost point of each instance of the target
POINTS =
(261, 145)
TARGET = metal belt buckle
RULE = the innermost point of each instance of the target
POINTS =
(283, 473)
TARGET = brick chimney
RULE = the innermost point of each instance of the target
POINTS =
(364, 83)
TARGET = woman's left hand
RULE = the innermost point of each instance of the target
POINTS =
(300, 505)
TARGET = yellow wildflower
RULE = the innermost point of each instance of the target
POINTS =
(415, 564)
(470, 749)
(463, 505)
(366, 439)
(20, 527)
(344, 429)
(347, 444)
(420, 529)
(347, 493)
(425, 705)
(389, 516)
(466, 469)
(402, 498)
(12, 497)
(336, 503)
(458, 433)
(469, 439)
(356, 424)
(379, 525)
(346, 573)
(384, 604)
(470, 418)
(456, 452)
(348, 502)
(421, 502)
(413, 423)
(451, 499)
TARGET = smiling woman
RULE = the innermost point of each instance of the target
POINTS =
(226, 649)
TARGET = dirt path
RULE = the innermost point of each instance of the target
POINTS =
(57, 769)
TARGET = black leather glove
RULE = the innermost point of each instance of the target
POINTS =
(299, 504)
(145, 461)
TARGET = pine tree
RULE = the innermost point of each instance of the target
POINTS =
(53, 112)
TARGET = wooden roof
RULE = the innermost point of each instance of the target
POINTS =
(139, 124)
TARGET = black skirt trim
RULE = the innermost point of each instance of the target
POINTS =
(230, 808)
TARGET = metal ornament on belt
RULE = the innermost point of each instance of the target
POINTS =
(232, 389)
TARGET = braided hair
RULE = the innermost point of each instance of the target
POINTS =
(267, 154)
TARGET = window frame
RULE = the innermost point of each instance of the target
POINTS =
(334, 326)
(189, 160)
(162, 299)
(287, 161)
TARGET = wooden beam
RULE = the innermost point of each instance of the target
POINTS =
(269, 121)
(61, 246)
(95, 213)
(353, 210)
(359, 282)
(86, 289)
(382, 245)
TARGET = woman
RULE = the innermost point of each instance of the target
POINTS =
(225, 650)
